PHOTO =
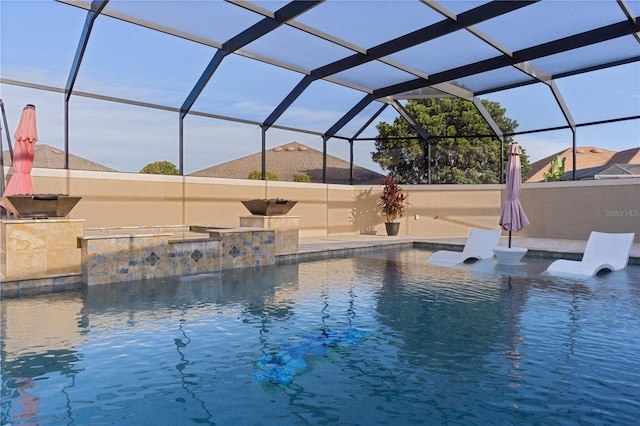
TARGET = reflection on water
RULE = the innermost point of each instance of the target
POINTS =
(375, 339)
(40, 324)
(28, 405)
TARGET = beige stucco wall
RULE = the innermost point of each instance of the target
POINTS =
(556, 210)
(573, 209)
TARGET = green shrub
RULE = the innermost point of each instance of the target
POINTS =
(556, 170)
(257, 175)
(160, 168)
(302, 178)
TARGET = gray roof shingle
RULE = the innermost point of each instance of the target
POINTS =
(290, 160)
(587, 157)
(48, 157)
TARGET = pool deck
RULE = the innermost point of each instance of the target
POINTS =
(540, 247)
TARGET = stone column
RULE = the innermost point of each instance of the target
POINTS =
(39, 248)
(286, 230)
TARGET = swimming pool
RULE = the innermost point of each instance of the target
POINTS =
(377, 338)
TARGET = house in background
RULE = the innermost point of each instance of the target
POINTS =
(48, 157)
(290, 160)
(591, 161)
(608, 171)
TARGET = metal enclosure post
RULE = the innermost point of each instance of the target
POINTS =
(418, 128)
(573, 173)
(324, 159)
(264, 152)
(350, 161)
(429, 163)
(6, 128)
(181, 143)
(502, 161)
(96, 8)
(66, 132)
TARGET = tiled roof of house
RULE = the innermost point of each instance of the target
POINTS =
(608, 171)
(48, 157)
(587, 157)
(290, 160)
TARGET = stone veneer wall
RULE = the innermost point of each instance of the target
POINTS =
(246, 247)
(286, 230)
(34, 248)
(137, 253)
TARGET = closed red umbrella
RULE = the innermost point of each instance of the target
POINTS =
(26, 136)
(513, 217)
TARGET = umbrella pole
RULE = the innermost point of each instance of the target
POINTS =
(509, 239)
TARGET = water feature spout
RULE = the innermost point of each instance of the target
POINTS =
(269, 206)
(42, 205)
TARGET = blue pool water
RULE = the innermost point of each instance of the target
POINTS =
(378, 338)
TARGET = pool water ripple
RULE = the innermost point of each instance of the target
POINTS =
(380, 338)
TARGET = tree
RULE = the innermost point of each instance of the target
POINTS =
(257, 175)
(461, 156)
(160, 168)
(556, 169)
(302, 177)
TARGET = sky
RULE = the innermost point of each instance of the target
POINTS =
(131, 62)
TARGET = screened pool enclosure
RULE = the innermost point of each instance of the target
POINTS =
(202, 82)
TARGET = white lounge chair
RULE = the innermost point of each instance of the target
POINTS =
(479, 245)
(603, 251)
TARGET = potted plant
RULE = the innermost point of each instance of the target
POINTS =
(392, 202)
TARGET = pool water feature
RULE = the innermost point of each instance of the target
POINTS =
(378, 338)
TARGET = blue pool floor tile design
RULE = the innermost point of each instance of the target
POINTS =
(282, 367)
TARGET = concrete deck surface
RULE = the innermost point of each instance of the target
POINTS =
(544, 247)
